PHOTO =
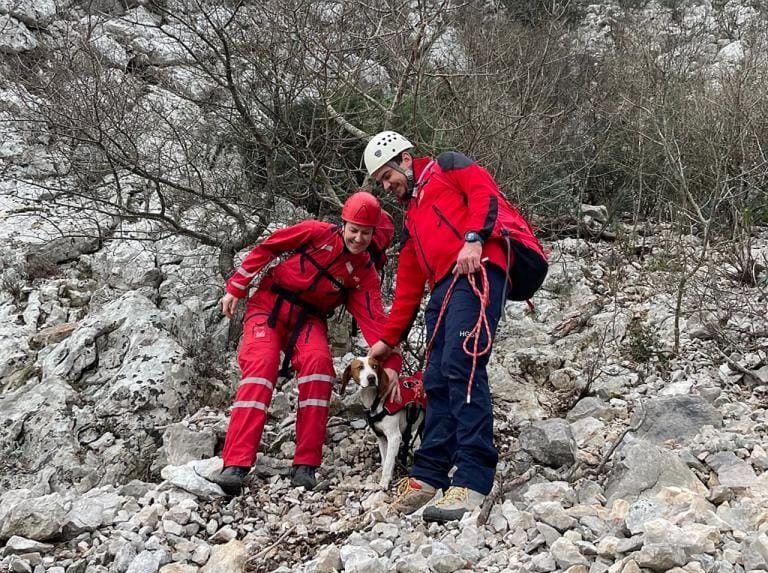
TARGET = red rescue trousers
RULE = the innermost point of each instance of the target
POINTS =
(259, 359)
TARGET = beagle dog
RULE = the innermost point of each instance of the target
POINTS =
(394, 423)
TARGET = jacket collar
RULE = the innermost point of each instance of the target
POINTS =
(422, 170)
(419, 164)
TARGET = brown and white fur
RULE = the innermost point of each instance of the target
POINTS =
(374, 383)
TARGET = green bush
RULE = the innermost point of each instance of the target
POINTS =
(642, 341)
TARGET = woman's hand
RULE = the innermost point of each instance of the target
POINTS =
(229, 305)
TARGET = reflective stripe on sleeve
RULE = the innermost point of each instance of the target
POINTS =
(246, 274)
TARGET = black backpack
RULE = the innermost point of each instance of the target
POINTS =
(527, 272)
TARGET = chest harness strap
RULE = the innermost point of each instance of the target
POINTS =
(305, 308)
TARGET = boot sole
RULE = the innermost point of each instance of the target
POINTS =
(409, 509)
(230, 488)
(432, 514)
(308, 487)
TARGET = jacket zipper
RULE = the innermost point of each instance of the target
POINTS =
(446, 221)
(423, 255)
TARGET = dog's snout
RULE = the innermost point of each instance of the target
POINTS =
(371, 379)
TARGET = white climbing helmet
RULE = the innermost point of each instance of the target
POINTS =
(382, 148)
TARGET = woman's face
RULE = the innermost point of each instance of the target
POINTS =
(357, 238)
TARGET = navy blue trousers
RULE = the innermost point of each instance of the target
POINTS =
(457, 433)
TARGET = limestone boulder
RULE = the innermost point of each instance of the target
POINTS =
(15, 37)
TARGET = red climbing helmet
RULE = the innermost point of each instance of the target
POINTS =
(362, 209)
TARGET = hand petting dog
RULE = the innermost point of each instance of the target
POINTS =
(393, 392)
(380, 352)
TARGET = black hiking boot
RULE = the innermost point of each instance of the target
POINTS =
(231, 479)
(303, 476)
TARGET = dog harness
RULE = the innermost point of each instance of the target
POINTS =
(414, 401)
(411, 392)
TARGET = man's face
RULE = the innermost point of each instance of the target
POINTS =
(357, 238)
(392, 180)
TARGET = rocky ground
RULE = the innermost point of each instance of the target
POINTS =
(617, 454)
(630, 408)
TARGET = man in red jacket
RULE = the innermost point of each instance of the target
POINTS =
(329, 266)
(456, 222)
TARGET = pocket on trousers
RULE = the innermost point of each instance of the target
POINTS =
(258, 330)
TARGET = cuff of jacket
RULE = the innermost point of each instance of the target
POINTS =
(235, 290)
(394, 361)
(390, 337)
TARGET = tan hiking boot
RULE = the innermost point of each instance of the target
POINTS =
(411, 495)
(453, 505)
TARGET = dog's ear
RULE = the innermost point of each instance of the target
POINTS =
(383, 385)
(345, 377)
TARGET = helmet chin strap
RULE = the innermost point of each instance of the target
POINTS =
(407, 173)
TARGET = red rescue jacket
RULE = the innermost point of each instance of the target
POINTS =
(452, 195)
(321, 272)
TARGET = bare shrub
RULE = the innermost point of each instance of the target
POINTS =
(39, 267)
(276, 99)
(13, 286)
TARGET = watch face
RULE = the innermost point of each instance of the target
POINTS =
(471, 237)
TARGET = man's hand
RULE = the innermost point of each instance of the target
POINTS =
(393, 392)
(380, 351)
(228, 305)
(468, 260)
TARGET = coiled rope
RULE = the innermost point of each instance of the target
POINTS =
(480, 326)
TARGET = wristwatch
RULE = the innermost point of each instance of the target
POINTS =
(473, 237)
